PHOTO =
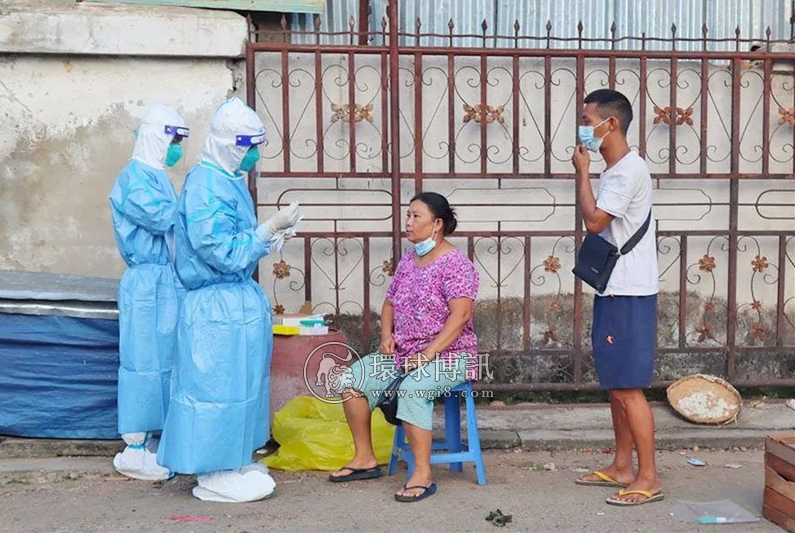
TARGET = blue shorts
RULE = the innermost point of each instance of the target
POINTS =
(624, 339)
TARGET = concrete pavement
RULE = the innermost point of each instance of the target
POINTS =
(85, 495)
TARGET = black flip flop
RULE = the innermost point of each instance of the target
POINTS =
(357, 474)
(428, 491)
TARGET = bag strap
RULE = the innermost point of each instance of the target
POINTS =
(635, 239)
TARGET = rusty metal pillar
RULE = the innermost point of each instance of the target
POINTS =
(394, 127)
(251, 99)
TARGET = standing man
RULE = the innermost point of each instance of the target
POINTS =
(219, 410)
(625, 314)
(143, 206)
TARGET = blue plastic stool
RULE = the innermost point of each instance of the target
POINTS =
(456, 452)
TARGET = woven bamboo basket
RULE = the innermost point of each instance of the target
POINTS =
(705, 399)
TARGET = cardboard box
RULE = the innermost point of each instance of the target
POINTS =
(779, 497)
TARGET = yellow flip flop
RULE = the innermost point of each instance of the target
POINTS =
(650, 498)
(606, 481)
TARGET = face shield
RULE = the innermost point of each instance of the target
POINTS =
(175, 131)
(252, 156)
(157, 138)
(235, 133)
(174, 153)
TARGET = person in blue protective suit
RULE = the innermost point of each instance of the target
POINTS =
(219, 413)
(143, 207)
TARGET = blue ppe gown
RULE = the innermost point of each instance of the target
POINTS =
(219, 413)
(143, 207)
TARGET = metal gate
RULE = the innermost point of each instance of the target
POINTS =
(356, 129)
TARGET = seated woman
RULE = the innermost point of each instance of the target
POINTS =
(426, 322)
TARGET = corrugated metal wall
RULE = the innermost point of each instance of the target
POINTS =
(632, 18)
(336, 18)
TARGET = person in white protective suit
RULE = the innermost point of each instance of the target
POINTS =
(219, 412)
(143, 208)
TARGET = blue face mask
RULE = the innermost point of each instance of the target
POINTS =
(250, 159)
(173, 154)
(589, 139)
(424, 247)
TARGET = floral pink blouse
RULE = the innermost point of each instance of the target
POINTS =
(420, 296)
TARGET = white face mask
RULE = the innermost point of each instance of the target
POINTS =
(424, 247)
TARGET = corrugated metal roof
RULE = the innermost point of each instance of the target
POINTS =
(632, 18)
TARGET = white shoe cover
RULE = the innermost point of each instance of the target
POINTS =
(249, 484)
(140, 463)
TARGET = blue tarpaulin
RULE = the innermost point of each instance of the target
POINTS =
(59, 356)
(58, 376)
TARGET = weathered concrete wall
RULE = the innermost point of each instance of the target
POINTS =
(75, 80)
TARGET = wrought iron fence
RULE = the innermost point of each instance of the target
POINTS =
(355, 130)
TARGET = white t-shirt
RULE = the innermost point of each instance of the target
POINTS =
(625, 191)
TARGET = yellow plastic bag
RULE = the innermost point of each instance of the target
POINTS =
(314, 435)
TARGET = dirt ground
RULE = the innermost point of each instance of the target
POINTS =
(539, 499)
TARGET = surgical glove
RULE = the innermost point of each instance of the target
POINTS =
(284, 219)
(263, 233)
(277, 242)
(280, 237)
(290, 232)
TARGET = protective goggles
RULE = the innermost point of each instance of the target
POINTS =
(177, 130)
(249, 140)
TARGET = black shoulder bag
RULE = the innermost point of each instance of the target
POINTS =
(597, 257)
(388, 401)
